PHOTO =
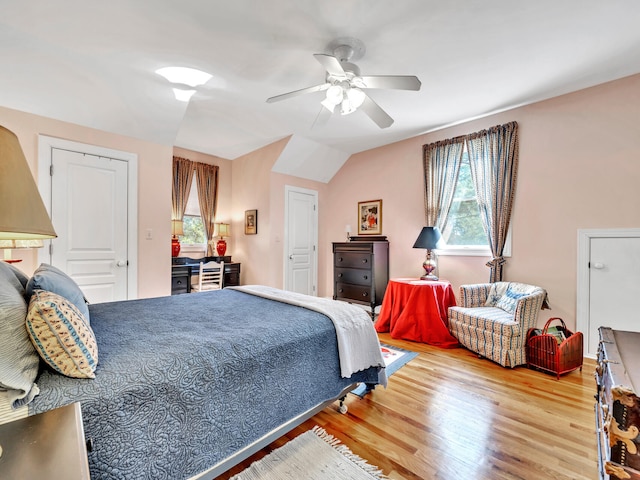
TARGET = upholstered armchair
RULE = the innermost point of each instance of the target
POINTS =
(493, 319)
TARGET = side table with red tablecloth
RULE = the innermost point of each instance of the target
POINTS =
(416, 310)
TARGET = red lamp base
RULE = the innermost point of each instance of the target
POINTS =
(221, 247)
(175, 246)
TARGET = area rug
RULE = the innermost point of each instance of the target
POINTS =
(394, 359)
(314, 455)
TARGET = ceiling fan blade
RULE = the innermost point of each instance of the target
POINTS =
(284, 96)
(396, 82)
(375, 113)
(330, 63)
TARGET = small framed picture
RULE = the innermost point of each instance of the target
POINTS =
(370, 217)
(250, 222)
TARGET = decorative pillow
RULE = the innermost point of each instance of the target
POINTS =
(19, 360)
(496, 292)
(509, 301)
(61, 335)
(47, 277)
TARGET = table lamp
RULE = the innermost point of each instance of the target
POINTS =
(23, 215)
(224, 230)
(176, 229)
(428, 239)
(8, 245)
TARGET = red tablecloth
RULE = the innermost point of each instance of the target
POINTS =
(416, 310)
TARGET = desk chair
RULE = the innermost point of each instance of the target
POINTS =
(210, 278)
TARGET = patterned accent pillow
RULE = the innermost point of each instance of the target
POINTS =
(509, 301)
(48, 277)
(496, 292)
(62, 336)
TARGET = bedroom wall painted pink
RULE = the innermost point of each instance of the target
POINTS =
(579, 168)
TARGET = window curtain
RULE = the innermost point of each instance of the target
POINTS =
(207, 182)
(493, 158)
(441, 162)
(182, 178)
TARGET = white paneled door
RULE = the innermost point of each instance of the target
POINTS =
(89, 199)
(609, 283)
(301, 256)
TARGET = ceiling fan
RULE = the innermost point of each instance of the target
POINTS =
(345, 87)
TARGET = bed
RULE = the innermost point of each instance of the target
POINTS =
(189, 385)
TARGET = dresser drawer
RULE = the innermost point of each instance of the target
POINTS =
(355, 276)
(353, 260)
(180, 282)
(356, 293)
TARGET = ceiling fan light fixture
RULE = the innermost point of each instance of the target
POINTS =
(335, 94)
(356, 97)
(184, 75)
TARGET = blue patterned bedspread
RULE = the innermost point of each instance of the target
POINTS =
(185, 381)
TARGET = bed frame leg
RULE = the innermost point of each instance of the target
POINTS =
(342, 408)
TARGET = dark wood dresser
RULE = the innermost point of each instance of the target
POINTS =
(618, 406)
(361, 270)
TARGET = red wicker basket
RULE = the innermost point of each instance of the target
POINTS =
(545, 353)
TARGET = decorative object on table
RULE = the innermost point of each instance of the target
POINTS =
(428, 239)
(250, 222)
(222, 230)
(176, 229)
(8, 245)
(23, 215)
(370, 217)
(394, 359)
(313, 454)
(554, 349)
(347, 229)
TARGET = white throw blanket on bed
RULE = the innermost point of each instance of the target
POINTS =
(358, 344)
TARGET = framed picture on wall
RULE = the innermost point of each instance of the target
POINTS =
(250, 222)
(370, 217)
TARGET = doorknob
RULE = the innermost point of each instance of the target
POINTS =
(291, 257)
(121, 263)
(598, 265)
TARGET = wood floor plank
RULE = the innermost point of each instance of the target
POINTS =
(449, 414)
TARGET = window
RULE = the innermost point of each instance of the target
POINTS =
(192, 226)
(463, 233)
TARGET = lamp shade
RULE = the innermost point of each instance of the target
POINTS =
(21, 244)
(428, 238)
(176, 227)
(23, 215)
(223, 229)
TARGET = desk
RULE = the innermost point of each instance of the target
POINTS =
(182, 268)
(416, 310)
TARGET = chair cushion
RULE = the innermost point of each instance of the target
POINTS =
(514, 292)
(61, 335)
(489, 319)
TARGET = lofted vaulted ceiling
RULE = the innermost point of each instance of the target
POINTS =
(93, 63)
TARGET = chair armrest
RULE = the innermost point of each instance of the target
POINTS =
(474, 295)
(528, 308)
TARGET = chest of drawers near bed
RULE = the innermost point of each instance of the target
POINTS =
(360, 271)
(618, 405)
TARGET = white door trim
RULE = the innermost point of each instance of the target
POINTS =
(45, 146)
(584, 254)
(314, 193)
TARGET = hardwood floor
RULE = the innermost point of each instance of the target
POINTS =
(449, 415)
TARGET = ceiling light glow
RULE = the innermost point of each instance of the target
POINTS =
(183, 95)
(184, 75)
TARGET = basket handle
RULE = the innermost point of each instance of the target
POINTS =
(546, 325)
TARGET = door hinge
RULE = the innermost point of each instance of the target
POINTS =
(314, 248)
(314, 207)
(51, 170)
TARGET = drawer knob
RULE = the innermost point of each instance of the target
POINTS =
(179, 282)
(339, 275)
(366, 277)
(340, 290)
(365, 294)
(339, 259)
(365, 260)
